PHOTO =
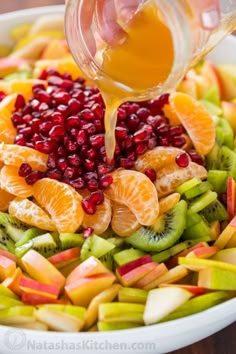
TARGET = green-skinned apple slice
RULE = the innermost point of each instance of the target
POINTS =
(6, 301)
(121, 312)
(36, 326)
(7, 267)
(161, 302)
(35, 287)
(132, 277)
(194, 289)
(157, 272)
(217, 279)
(5, 291)
(17, 315)
(227, 255)
(12, 282)
(227, 74)
(107, 295)
(197, 264)
(132, 295)
(226, 234)
(197, 304)
(115, 326)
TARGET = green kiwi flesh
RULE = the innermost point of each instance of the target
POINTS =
(218, 180)
(199, 203)
(198, 190)
(215, 211)
(44, 244)
(95, 246)
(164, 233)
(12, 226)
(70, 240)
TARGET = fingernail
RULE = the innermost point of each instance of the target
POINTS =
(210, 19)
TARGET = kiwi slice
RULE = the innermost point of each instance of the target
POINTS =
(200, 231)
(184, 187)
(212, 158)
(109, 233)
(70, 240)
(224, 133)
(95, 246)
(44, 244)
(215, 211)
(218, 180)
(198, 190)
(12, 226)
(172, 251)
(164, 233)
(28, 235)
(6, 242)
(117, 241)
(108, 259)
(199, 203)
(227, 161)
(192, 218)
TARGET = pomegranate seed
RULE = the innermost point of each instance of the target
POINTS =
(43, 75)
(74, 132)
(38, 87)
(163, 141)
(103, 169)
(27, 118)
(20, 102)
(162, 129)
(88, 207)
(97, 110)
(155, 121)
(74, 160)
(87, 232)
(151, 174)
(67, 84)
(35, 104)
(45, 146)
(66, 76)
(121, 133)
(61, 151)
(25, 131)
(71, 146)
(74, 106)
(97, 197)
(17, 119)
(127, 143)
(61, 97)
(176, 130)
(27, 109)
(92, 185)
(195, 157)
(121, 114)
(182, 159)
(62, 164)
(52, 161)
(78, 183)
(57, 132)
(125, 163)
(54, 80)
(105, 181)
(178, 141)
(141, 148)
(90, 175)
(152, 142)
(33, 177)
(45, 127)
(73, 122)
(81, 138)
(130, 108)
(2, 95)
(132, 122)
(143, 113)
(131, 155)
(79, 95)
(24, 170)
(70, 172)
(99, 126)
(89, 127)
(20, 140)
(89, 165)
(140, 136)
(57, 119)
(97, 141)
(43, 96)
(91, 154)
(54, 174)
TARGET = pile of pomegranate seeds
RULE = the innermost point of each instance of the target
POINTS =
(66, 121)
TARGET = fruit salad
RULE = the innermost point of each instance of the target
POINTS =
(91, 244)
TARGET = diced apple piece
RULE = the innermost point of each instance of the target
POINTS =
(127, 256)
(5, 291)
(17, 315)
(6, 301)
(173, 261)
(63, 258)
(217, 279)
(203, 252)
(126, 268)
(121, 312)
(75, 311)
(91, 266)
(8, 255)
(229, 113)
(197, 264)
(10, 65)
(188, 86)
(194, 289)
(58, 321)
(228, 78)
(232, 242)
(202, 83)
(158, 271)
(197, 304)
(231, 194)
(67, 269)
(215, 230)
(115, 326)
(40, 269)
(210, 71)
(226, 234)
(226, 255)
(37, 326)
(36, 299)
(12, 282)
(35, 287)
(173, 275)
(130, 278)
(107, 295)
(7, 267)
(131, 295)
(83, 290)
(161, 302)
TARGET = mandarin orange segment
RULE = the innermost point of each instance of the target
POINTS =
(101, 219)
(157, 158)
(5, 199)
(15, 155)
(171, 115)
(123, 222)
(137, 192)
(196, 120)
(30, 213)
(167, 203)
(8, 103)
(7, 130)
(172, 176)
(62, 203)
(25, 86)
(13, 183)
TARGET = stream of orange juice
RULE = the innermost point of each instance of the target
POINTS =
(143, 61)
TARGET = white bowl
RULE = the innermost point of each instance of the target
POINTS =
(160, 338)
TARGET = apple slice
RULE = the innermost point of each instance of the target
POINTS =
(12, 282)
(161, 302)
(226, 234)
(228, 78)
(203, 252)
(83, 290)
(17, 315)
(173, 261)
(36, 299)
(217, 279)
(107, 295)
(75, 311)
(226, 255)
(159, 270)
(31, 286)
(229, 113)
(130, 278)
(7, 267)
(173, 275)
(231, 243)
(126, 268)
(121, 312)
(131, 295)
(197, 264)
(188, 86)
(40, 269)
(6, 301)
(63, 258)
(194, 289)
(115, 326)
(211, 72)
(231, 195)
(91, 266)
(8, 255)
(5, 291)
(37, 326)
(69, 268)
(197, 304)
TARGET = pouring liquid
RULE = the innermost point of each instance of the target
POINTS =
(143, 61)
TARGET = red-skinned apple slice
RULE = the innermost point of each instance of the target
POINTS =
(229, 113)
(12, 282)
(173, 261)
(36, 299)
(7, 267)
(203, 252)
(8, 255)
(194, 289)
(31, 286)
(40, 269)
(130, 278)
(63, 258)
(231, 196)
(226, 234)
(210, 71)
(126, 268)
(159, 270)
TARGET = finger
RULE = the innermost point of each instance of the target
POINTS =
(87, 11)
(126, 9)
(209, 13)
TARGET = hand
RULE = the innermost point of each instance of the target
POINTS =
(208, 12)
